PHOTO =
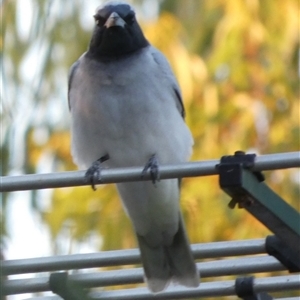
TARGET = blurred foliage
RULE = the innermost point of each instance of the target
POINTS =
(236, 61)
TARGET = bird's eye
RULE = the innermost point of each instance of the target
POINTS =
(129, 19)
(100, 21)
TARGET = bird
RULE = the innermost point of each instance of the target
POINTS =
(126, 110)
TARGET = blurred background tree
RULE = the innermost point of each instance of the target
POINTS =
(237, 64)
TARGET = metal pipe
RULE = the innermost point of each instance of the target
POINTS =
(290, 298)
(125, 257)
(206, 289)
(191, 169)
(280, 284)
(135, 275)
(210, 289)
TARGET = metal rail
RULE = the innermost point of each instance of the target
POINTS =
(135, 275)
(125, 257)
(191, 169)
(101, 278)
(210, 289)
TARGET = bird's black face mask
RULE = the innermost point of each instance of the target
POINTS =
(116, 33)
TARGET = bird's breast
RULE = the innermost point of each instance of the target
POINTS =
(130, 113)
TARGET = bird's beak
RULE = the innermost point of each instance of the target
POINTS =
(114, 20)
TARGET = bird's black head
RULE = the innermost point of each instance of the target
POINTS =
(116, 32)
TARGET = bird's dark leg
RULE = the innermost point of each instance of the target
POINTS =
(153, 166)
(93, 173)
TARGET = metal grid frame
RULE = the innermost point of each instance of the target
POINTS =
(249, 256)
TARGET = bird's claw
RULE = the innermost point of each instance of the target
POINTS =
(153, 166)
(93, 173)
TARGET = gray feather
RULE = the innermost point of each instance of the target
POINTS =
(72, 71)
(172, 263)
(167, 71)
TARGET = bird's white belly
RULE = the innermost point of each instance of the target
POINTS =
(129, 130)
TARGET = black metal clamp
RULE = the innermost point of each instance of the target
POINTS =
(248, 191)
(230, 175)
(245, 290)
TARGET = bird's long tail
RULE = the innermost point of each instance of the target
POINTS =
(164, 264)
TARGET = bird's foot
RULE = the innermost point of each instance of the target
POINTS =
(93, 173)
(153, 166)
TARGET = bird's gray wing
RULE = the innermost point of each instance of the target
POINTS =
(70, 78)
(167, 71)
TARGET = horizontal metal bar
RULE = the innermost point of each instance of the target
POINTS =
(191, 169)
(58, 298)
(206, 289)
(211, 289)
(280, 284)
(259, 264)
(51, 298)
(125, 257)
(77, 178)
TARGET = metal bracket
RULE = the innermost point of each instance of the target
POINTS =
(249, 192)
(276, 248)
(244, 289)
